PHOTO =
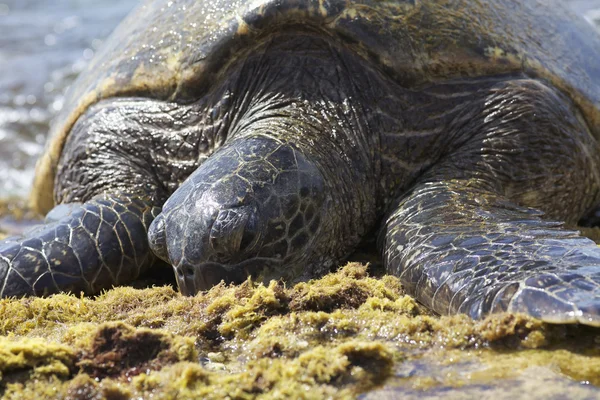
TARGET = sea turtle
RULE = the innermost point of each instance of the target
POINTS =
(269, 137)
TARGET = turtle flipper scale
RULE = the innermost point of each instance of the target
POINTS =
(479, 233)
(97, 245)
(459, 249)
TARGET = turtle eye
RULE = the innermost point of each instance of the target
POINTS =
(250, 236)
(233, 232)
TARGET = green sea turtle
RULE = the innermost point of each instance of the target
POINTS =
(268, 137)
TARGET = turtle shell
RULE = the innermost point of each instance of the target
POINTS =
(174, 49)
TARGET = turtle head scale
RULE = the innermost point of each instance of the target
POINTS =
(157, 239)
(214, 240)
(252, 209)
(232, 231)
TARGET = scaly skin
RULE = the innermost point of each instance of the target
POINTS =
(461, 244)
(270, 202)
(93, 248)
(249, 210)
(459, 249)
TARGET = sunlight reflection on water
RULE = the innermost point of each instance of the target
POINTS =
(43, 46)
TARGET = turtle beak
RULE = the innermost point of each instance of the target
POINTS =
(191, 280)
(185, 285)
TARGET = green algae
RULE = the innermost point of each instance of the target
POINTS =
(334, 337)
(35, 354)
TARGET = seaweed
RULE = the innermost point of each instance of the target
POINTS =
(338, 336)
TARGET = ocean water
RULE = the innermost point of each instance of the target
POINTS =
(44, 44)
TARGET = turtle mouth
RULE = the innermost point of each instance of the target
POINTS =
(193, 279)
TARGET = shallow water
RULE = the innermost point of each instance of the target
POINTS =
(43, 46)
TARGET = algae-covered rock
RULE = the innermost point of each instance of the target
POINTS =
(335, 337)
(35, 355)
(118, 349)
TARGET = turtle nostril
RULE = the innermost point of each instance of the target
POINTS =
(186, 280)
(189, 272)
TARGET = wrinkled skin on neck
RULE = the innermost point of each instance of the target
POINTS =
(290, 193)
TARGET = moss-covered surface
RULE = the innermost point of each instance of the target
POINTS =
(335, 337)
(343, 334)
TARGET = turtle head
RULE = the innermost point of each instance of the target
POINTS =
(252, 209)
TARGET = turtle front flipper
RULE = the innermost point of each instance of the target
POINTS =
(460, 249)
(95, 246)
(470, 236)
(107, 177)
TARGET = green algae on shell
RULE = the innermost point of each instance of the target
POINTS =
(252, 340)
